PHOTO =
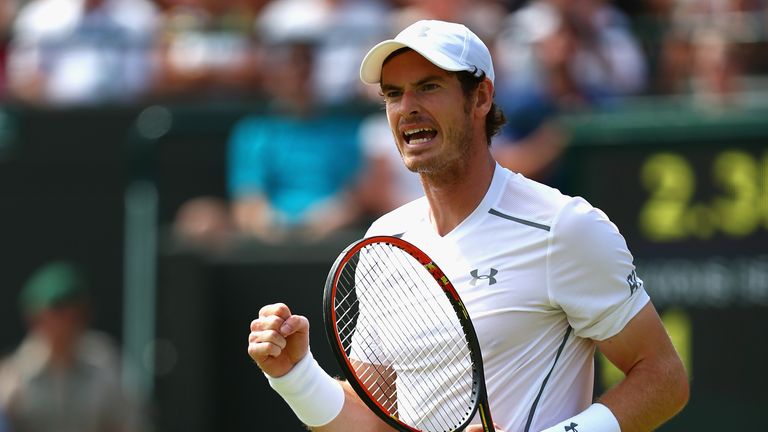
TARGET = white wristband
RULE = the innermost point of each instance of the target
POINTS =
(596, 418)
(312, 394)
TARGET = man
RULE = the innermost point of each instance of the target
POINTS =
(63, 376)
(551, 300)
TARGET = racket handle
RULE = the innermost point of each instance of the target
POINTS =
(485, 417)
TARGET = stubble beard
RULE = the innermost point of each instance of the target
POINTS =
(452, 162)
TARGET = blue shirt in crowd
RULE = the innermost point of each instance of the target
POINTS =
(294, 162)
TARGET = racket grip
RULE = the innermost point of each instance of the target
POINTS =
(314, 396)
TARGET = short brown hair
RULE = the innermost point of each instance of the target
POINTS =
(495, 118)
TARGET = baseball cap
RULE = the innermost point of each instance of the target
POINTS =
(449, 46)
(55, 284)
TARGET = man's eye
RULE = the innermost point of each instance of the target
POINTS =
(428, 87)
(392, 94)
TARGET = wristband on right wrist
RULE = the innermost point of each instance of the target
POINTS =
(596, 418)
(313, 395)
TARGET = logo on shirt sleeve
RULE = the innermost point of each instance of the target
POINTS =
(634, 282)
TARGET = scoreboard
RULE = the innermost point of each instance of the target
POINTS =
(688, 189)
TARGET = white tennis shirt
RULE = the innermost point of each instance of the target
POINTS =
(542, 275)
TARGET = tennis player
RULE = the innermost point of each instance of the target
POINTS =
(546, 277)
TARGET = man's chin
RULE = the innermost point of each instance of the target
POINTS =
(413, 165)
(419, 168)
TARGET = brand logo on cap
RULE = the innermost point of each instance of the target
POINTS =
(423, 31)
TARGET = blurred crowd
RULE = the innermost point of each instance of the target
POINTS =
(106, 51)
(292, 170)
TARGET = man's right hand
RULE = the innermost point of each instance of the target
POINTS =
(278, 339)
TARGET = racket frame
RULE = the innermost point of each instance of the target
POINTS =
(329, 318)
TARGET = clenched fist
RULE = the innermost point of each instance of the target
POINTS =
(278, 339)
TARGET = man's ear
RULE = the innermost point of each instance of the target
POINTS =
(484, 98)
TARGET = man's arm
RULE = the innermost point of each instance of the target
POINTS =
(254, 215)
(279, 344)
(656, 385)
(354, 416)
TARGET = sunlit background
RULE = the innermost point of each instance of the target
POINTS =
(200, 158)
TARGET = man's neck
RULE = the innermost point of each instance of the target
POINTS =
(452, 198)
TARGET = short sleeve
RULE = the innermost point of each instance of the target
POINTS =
(591, 272)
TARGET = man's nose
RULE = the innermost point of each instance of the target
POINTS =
(409, 103)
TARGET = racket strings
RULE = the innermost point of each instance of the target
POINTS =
(405, 267)
(440, 319)
(445, 323)
(443, 353)
(379, 380)
(381, 299)
(394, 320)
(373, 373)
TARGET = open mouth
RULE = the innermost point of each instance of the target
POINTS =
(418, 136)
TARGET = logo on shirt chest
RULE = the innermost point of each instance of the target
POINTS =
(477, 277)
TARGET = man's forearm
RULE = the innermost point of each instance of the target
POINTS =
(650, 394)
(355, 416)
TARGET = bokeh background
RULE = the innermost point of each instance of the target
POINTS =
(125, 124)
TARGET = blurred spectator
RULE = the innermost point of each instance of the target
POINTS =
(63, 377)
(556, 57)
(584, 46)
(206, 222)
(77, 52)
(483, 17)
(717, 69)
(292, 164)
(207, 48)
(294, 168)
(666, 46)
(7, 14)
(342, 32)
(706, 49)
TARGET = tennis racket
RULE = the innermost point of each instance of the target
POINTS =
(403, 338)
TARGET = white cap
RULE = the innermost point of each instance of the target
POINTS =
(449, 46)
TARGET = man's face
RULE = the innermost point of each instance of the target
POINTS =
(428, 113)
(60, 326)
